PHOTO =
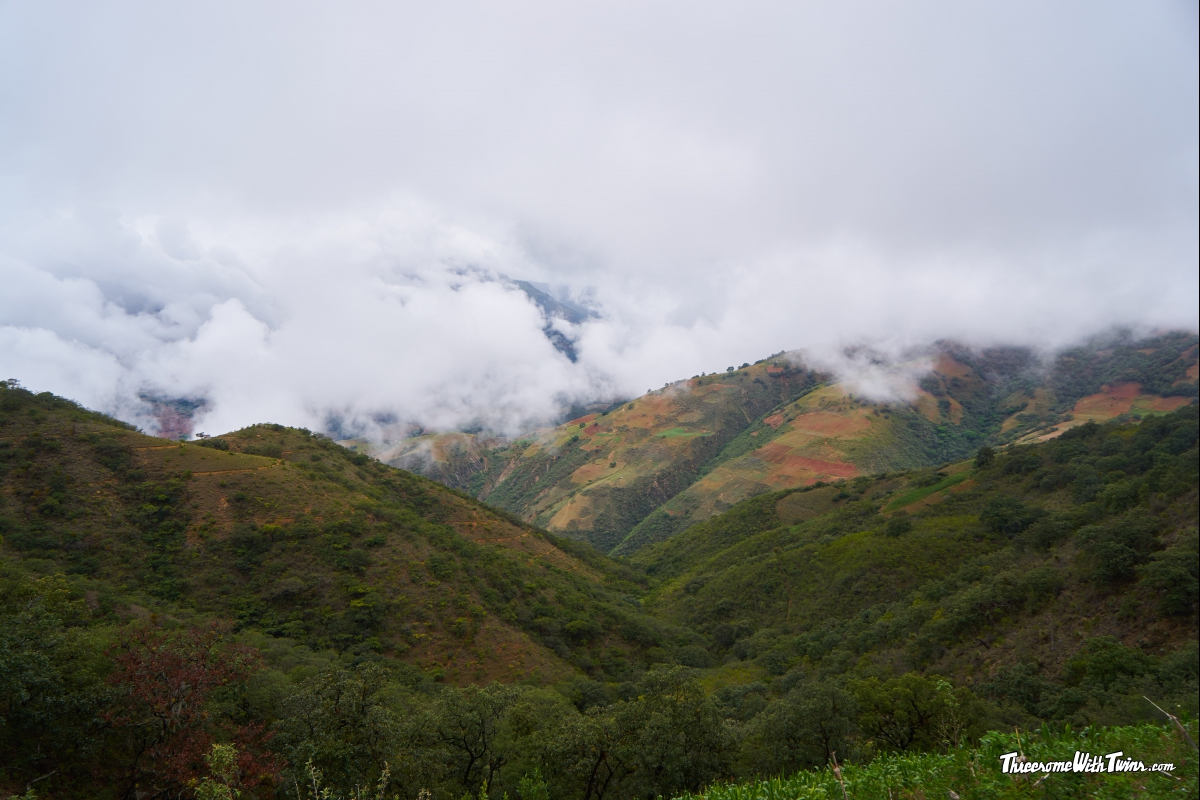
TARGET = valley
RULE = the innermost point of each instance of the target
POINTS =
(792, 570)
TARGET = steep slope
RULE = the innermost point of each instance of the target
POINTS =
(1007, 573)
(966, 400)
(596, 477)
(459, 460)
(287, 533)
(651, 468)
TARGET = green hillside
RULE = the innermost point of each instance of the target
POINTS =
(288, 533)
(645, 471)
(594, 478)
(1058, 578)
(268, 611)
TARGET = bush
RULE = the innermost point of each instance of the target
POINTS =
(898, 525)
(1174, 573)
(1008, 515)
(1118, 546)
(984, 457)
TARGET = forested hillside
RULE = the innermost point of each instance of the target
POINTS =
(287, 532)
(1057, 579)
(268, 610)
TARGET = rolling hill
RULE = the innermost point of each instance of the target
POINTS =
(289, 534)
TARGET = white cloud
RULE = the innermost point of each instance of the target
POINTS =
(302, 210)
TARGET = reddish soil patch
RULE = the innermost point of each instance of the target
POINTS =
(952, 369)
(824, 423)
(1109, 402)
(590, 472)
(774, 370)
(584, 418)
(780, 454)
(927, 407)
(956, 411)
(838, 469)
(775, 453)
(775, 420)
(1165, 404)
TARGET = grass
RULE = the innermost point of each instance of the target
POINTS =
(908, 498)
(974, 772)
(192, 458)
(674, 433)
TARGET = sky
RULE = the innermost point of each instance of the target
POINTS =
(304, 212)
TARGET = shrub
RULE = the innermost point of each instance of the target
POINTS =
(1174, 573)
(1118, 546)
(1008, 515)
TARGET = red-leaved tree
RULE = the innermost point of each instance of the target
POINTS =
(164, 684)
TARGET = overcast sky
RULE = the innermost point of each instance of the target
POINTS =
(297, 209)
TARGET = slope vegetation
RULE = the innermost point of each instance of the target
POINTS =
(594, 478)
(287, 533)
(1051, 577)
(651, 468)
(271, 610)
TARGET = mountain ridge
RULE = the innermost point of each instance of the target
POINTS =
(576, 478)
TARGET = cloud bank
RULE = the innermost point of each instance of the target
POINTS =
(301, 213)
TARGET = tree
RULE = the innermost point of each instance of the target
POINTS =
(221, 783)
(900, 713)
(342, 723)
(467, 724)
(668, 739)
(1175, 572)
(1118, 546)
(1008, 515)
(51, 680)
(800, 730)
(984, 456)
(898, 525)
(163, 682)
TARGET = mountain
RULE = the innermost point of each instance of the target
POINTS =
(267, 609)
(650, 468)
(288, 533)
(1024, 575)
(556, 309)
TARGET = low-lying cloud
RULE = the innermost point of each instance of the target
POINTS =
(317, 217)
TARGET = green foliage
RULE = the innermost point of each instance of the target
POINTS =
(913, 712)
(802, 729)
(899, 524)
(1117, 546)
(533, 787)
(926, 488)
(221, 783)
(1083, 371)
(51, 676)
(340, 722)
(838, 595)
(1008, 515)
(984, 457)
(975, 771)
(1174, 573)
(811, 625)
